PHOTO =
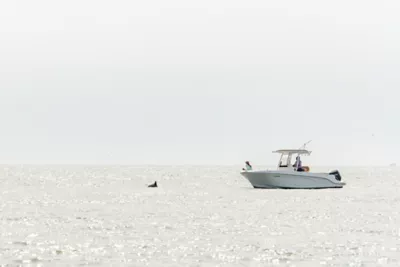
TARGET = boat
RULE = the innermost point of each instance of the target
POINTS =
(289, 176)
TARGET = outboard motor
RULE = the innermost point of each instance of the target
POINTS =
(336, 174)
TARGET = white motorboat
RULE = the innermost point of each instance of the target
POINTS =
(289, 176)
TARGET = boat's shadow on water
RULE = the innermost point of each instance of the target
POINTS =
(286, 189)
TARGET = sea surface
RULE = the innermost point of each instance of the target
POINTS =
(198, 216)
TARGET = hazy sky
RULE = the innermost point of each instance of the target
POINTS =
(207, 82)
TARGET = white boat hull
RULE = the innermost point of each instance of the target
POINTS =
(291, 180)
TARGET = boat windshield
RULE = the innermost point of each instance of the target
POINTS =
(284, 161)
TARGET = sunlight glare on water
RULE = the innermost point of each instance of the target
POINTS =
(198, 216)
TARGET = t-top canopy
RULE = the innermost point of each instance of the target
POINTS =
(292, 151)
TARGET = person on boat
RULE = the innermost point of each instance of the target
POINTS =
(248, 166)
(297, 164)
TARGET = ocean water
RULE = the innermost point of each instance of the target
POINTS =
(198, 216)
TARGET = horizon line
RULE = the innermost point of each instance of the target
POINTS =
(179, 164)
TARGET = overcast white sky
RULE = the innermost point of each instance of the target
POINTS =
(207, 82)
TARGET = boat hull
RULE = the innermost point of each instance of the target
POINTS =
(291, 180)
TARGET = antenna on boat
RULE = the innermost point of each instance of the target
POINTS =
(304, 145)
